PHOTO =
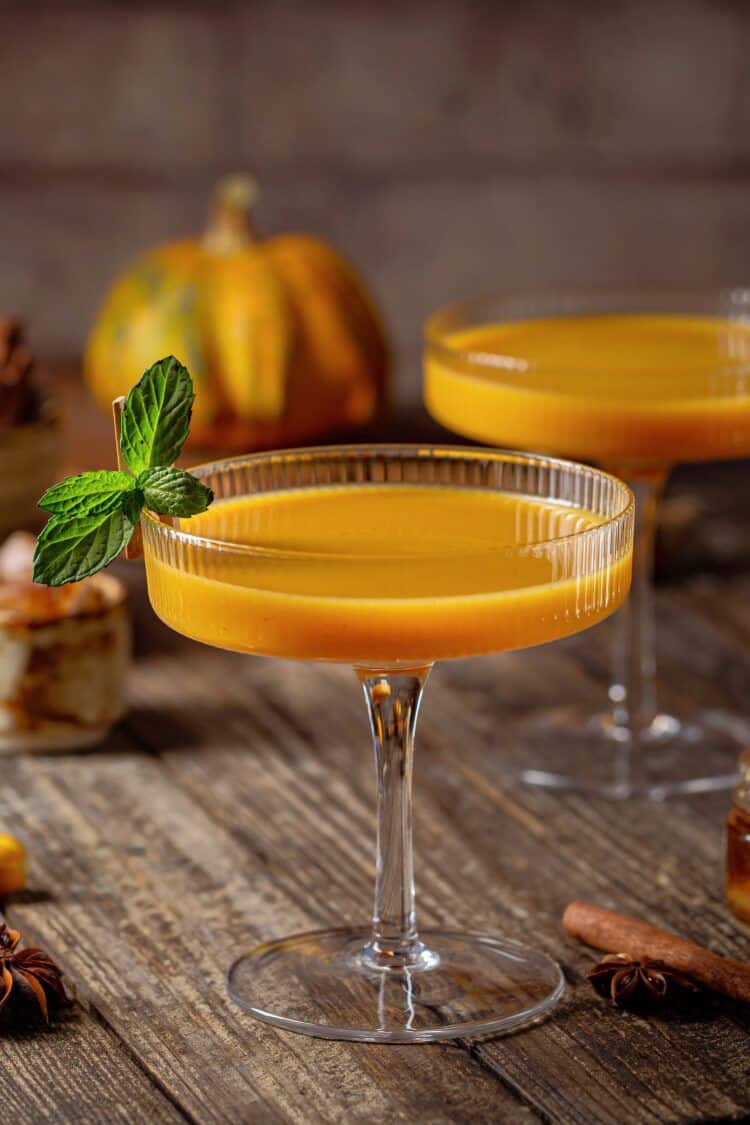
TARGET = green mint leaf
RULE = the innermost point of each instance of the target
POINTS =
(93, 515)
(132, 502)
(173, 492)
(156, 416)
(88, 494)
(71, 548)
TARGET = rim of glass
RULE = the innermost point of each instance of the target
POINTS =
(655, 299)
(353, 452)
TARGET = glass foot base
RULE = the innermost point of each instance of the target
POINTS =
(569, 748)
(468, 984)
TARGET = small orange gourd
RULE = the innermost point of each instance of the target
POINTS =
(12, 865)
(280, 335)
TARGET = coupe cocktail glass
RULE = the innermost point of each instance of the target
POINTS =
(634, 381)
(389, 558)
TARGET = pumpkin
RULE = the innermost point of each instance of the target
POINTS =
(279, 334)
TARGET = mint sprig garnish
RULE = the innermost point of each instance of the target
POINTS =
(93, 515)
(69, 549)
(173, 492)
(156, 418)
(87, 494)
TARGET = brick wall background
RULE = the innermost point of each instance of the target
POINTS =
(447, 147)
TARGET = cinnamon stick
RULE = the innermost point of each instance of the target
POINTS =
(619, 933)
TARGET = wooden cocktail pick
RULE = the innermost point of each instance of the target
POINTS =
(134, 549)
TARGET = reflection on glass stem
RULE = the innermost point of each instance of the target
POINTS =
(633, 690)
(393, 700)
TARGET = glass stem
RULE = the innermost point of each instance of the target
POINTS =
(393, 700)
(633, 690)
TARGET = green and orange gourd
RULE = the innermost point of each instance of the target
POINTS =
(280, 335)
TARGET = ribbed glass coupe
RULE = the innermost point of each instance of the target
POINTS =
(389, 558)
(635, 381)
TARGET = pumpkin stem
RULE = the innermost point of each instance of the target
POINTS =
(230, 226)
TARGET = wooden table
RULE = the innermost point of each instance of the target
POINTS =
(229, 808)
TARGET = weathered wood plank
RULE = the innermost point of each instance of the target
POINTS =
(346, 66)
(582, 1065)
(78, 1071)
(165, 897)
(237, 805)
(666, 864)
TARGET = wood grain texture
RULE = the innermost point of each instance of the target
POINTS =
(165, 896)
(169, 86)
(78, 1070)
(235, 804)
(544, 853)
(450, 148)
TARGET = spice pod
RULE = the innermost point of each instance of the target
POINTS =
(31, 984)
(641, 985)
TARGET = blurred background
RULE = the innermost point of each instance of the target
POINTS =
(444, 147)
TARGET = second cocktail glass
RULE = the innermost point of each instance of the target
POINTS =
(388, 559)
(635, 381)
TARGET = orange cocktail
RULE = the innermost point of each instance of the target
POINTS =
(389, 558)
(383, 574)
(621, 389)
(636, 382)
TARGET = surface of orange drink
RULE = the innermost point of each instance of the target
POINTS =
(615, 389)
(385, 574)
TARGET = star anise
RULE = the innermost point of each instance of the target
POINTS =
(640, 985)
(30, 981)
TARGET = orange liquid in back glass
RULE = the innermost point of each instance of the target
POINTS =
(618, 389)
(385, 574)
